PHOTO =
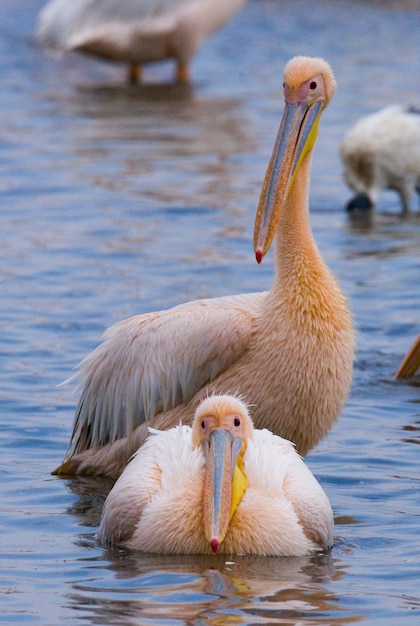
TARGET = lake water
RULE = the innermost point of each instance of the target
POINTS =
(118, 200)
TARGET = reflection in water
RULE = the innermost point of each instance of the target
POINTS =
(154, 589)
(91, 492)
(413, 430)
(153, 93)
(395, 235)
(163, 143)
(362, 222)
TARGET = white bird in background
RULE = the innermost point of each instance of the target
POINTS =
(382, 151)
(220, 486)
(410, 365)
(289, 351)
(136, 32)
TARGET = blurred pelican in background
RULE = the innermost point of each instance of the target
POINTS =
(288, 351)
(135, 32)
(220, 486)
(382, 151)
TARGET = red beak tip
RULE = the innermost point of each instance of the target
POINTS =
(214, 543)
(259, 255)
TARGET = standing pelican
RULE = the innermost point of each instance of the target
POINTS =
(220, 486)
(288, 351)
(382, 151)
(134, 31)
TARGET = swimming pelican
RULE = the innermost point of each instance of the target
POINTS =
(288, 351)
(382, 151)
(410, 365)
(134, 31)
(220, 486)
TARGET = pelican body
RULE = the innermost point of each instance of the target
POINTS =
(134, 31)
(382, 151)
(288, 351)
(220, 486)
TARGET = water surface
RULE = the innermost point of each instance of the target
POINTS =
(118, 200)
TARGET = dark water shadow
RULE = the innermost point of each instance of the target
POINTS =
(91, 493)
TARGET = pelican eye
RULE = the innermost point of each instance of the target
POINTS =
(203, 424)
(313, 85)
(237, 421)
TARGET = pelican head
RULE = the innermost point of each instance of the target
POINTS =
(221, 427)
(308, 86)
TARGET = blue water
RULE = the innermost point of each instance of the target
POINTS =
(118, 200)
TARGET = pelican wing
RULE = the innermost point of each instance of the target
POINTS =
(310, 503)
(151, 363)
(276, 468)
(160, 477)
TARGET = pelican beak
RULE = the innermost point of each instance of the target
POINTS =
(297, 134)
(224, 486)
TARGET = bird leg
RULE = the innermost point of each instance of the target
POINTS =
(134, 73)
(182, 72)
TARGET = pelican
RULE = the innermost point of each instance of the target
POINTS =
(134, 31)
(288, 351)
(220, 486)
(382, 151)
(410, 365)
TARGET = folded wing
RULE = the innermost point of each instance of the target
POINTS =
(151, 363)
